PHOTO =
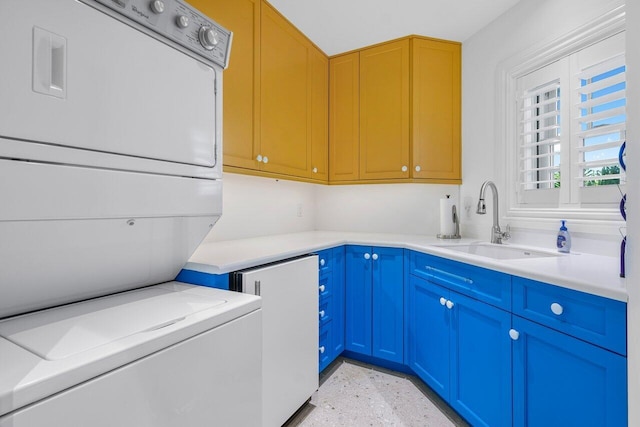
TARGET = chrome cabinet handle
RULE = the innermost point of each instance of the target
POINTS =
(367, 256)
(451, 275)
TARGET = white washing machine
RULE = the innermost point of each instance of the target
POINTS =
(110, 177)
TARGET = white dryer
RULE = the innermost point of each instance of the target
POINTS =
(110, 177)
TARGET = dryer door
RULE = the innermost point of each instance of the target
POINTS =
(82, 79)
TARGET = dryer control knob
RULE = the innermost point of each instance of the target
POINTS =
(157, 6)
(208, 38)
(182, 21)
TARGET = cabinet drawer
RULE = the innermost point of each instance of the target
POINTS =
(485, 285)
(324, 312)
(324, 261)
(595, 319)
(324, 346)
(325, 285)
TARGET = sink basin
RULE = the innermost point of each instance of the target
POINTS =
(498, 251)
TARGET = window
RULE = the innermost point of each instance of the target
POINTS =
(570, 123)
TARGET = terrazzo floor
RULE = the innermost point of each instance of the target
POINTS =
(361, 395)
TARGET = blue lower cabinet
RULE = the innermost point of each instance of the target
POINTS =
(428, 326)
(219, 281)
(331, 310)
(374, 293)
(338, 303)
(324, 349)
(461, 348)
(481, 387)
(358, 293)
(559, 380)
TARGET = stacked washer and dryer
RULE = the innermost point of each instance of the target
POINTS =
(110, 177)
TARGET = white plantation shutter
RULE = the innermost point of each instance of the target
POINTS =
(601, 122)
(571, 121)
(539, 142)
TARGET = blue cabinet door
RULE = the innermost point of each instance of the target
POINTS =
(480, 366)
(358, 299)
(337, 337)
(559, 380)
(387, 304)
(428, 323)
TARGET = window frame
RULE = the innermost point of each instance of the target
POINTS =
(519, 215)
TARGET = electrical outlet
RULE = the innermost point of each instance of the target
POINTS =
(299, 210)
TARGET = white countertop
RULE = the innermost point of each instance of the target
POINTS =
(595, 274)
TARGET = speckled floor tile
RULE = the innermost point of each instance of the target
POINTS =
(358, 396)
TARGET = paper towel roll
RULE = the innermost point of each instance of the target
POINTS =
(447, 226)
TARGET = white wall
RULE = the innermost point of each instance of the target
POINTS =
(382, 208)
(633, 214)
(255, 207)
(526, 25)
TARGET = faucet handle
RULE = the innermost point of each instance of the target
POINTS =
(506, 235)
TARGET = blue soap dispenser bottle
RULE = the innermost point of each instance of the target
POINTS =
(564, 239)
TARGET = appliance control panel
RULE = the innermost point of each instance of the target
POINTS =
(176, 21)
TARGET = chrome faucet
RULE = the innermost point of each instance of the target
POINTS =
(496, 234)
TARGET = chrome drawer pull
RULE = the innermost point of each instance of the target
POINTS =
(445, 273)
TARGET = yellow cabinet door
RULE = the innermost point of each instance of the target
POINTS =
(344, 120)
(284, 97)
(319, 115)
(436, 109)
(241, 117)
(384, 111)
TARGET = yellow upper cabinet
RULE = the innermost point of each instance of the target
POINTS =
(284, 97)
(344, 119)
(436, 109)
(241, 118)
(319, 115)
(384, 111)
(394, 113)
(275, 94)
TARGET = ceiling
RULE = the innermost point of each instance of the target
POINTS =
(338, 26)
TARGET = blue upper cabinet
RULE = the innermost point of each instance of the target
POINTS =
(374, 302)
(559, 380)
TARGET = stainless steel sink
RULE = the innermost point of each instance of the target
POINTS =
(498, 251)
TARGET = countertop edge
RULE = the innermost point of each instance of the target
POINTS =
(228, 256)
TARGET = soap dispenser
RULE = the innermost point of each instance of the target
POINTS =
(564, 239)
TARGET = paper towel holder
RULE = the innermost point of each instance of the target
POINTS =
(456, 220)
